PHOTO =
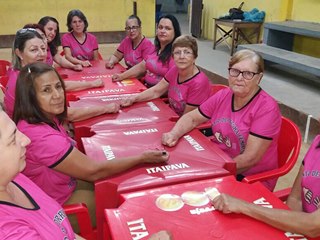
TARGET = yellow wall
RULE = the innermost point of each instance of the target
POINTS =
(276, 10)
(306, 10)
(107, 15)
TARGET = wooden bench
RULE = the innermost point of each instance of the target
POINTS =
(278, 41)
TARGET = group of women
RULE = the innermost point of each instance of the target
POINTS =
(245, 123)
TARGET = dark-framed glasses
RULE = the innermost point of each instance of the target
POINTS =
(233, 72)
(132, 28)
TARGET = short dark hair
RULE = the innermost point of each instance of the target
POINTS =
(22, 36)
(35, 26)
(135, 17)
(165, 55)
(26, 106)
(79, 14)
(56, 42)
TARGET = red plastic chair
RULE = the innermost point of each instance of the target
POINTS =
(289, 144)
(217, 87)
(283, 194)
(99, 55)
(4, 81)
(4, 66)
(81, 212)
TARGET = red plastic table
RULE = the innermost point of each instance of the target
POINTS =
(99, 71)
(185, 211)
(142, 113)
(194, 158)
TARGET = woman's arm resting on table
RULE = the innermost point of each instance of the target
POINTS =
(69, 57)
(294, 199)
(185, 124)
(95, 55)
(151, 93)
(254, 150)
(82, 84)
(115, 58)
(83, 113)
(63, 62)
(307, 224)
(135, 71)
(79, 166)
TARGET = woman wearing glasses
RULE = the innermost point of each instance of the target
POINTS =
(80, 47)
(186, 85)
(157, 64)
(29, 47)
(245, 119)
(134, 48)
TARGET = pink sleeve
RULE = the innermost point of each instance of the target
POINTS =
(148, 48)
(267, 120)
(200, 91)
(65, 40)
(13, 229)
(122, 46)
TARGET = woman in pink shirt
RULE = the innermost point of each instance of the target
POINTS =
(186, 85)
(26, 211)
(51, 30)
(303, 201)
(245, 120)
(53, 161)
(158, 63)
(80, 47)
(29, 47)
(134, 48)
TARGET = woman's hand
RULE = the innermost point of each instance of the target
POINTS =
(97, 83)
(162, 235)
(227, 204)
(109, 64)
(117, 77)
(86, 63)
(112, 108)
(77, 67)
(169, 139)
(155, 156)
(127, 101)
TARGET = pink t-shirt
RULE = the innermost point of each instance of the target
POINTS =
(47, 149)
(10, 94)
(47, 220)
(49, 59)
(193, 91)
(156, 70)
(260, 117)
(132, 56)
(310, 182)
(80, 51)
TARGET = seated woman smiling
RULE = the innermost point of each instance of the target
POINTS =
(53, 161)
(186, 85)
(26, 211)
(245, 120)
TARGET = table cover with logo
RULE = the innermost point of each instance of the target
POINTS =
(186, 212)
(193, 158)
(99, 71)
(141, 113)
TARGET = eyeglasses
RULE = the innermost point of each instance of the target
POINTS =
(185, 53)
(133, 28)
(233, 72)
(24, 30)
